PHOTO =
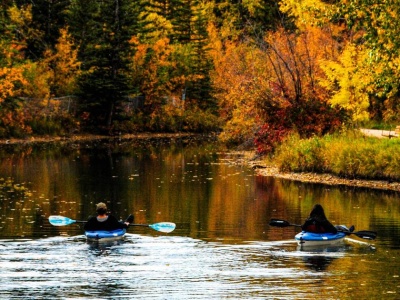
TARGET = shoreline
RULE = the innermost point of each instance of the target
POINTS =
(327, 179)
(89, 137)
(260, 167)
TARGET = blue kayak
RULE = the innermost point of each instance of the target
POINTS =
(106, 236)
(319, 239)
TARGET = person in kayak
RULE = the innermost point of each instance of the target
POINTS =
(317, 222)
(104, 221)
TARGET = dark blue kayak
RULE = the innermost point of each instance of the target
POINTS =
(319, 239)
(100, 235)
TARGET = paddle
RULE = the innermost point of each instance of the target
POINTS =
(162, 226)
(364, 234)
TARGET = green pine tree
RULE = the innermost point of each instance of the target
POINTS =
(103, 30)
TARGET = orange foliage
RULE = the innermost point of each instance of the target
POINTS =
(151, 62)
(296, 59)
(253, 82)
(11, 79)
(153, 70)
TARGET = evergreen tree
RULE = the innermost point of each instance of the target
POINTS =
(48, 17)
(181, 20)
(103, 31)
(200, 89)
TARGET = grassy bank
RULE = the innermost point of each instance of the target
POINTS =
(349, 155)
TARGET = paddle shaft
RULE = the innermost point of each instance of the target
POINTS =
(165, 227)
(142, 225)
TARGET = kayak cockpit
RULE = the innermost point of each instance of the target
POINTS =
(105, 236)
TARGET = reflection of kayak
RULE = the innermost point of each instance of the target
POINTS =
(105, 236)
(319, 239)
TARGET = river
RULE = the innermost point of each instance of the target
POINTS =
(222, 247)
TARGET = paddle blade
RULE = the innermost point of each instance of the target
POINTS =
(279, 223)
(163, 227)
(365, 234)
(60, 221)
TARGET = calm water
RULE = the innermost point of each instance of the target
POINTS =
(223, 247)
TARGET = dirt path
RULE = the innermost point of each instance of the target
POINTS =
(379, 133)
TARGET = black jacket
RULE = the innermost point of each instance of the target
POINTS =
(108, 225)
(318, 226)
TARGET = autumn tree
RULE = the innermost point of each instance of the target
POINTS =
(274, 88)
(377, 25)
(48, 17)
(64, 64)
(183, 68)
(13, 24)
(367, 68)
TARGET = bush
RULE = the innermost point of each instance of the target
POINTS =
(58, 125)
(169, 118)
(197, 120)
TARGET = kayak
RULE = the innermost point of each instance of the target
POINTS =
(319, 239)
(105, 236)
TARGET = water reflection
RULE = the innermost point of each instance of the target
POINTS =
(318, 258)
(222, 248)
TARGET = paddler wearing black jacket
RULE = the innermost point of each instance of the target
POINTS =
(104, 221)
(317, 222)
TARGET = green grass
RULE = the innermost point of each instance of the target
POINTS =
(348, 155)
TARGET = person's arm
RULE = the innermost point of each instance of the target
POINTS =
(306, 224)
(329, 227)
(90, 224)
(115, 224)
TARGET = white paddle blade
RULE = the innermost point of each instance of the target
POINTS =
(163, 227)
(60, 221)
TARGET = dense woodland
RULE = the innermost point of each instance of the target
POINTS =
(254, 70)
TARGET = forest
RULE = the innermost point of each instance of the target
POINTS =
(253, 70)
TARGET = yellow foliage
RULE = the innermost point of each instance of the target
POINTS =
(253, 5)
(20, 22)
(349, 79)
(307, 12)
(149, 64)
(157, 27)
(66, 65)
(20, 16)
(38, 80)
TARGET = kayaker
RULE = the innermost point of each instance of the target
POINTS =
(317, 221)
(104, 221)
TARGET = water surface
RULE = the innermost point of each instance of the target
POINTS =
(223, 247)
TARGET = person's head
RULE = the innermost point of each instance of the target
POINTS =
(101, 208)
(318, 212)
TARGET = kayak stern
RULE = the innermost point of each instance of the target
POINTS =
(105, 236)
(319, 239)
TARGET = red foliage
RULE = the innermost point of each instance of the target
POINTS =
(310, 117)
(269, 136)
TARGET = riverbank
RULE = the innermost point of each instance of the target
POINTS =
(247, 159)
(90, 137)
(263, 169)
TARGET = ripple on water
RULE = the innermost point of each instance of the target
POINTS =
(156, 267)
